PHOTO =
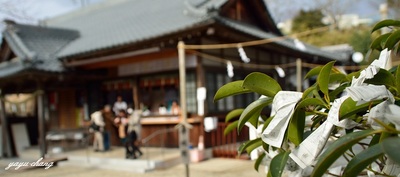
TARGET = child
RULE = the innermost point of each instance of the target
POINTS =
(121, 121)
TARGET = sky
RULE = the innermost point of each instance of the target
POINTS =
(30, 11)
(282, 10)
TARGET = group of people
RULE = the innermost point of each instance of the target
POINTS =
(125, 120)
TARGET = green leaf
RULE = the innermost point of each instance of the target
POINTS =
(379, 42)
(310, 102)
(397, 79)
(262, 84)
(392, 40)
(230, 89)
(230, 127)
(337, 148)
(250, 145)
(277, 165)
(258, 161)
(375, 139)
(317, 120)
(391, 147)
(296, 127)
(383, 77)
(359, 162)
(265, 146)
(233, 114)
(334, 94)
(266, 123)
(313, 72)
(308, 91)
(353, 74)
(337, 77)
(252, 111)
(385, 23)
(323, 77)
(349, 107)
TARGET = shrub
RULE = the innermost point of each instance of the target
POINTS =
(358, 121)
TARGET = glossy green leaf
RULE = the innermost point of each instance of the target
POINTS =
(392, 40)
(310, 102)
(337, 148)
(317, 120)
(391, 147)
(230, 127)
(397, 79)
(250, 145)
(233, 114)
(375, 139)
(359, 162)
(383, 77)
(313, 72)
(278, 164)
(266, 123)
(258, 161)
(230, 89)
(385, 23)
(262, 84)
(353, 74)
(349, 107)
(379, 42)
(337, 77)
(252, 111)
(296, 127)
(308, 92)
(334, 93)
(265, 146)
(323, 77)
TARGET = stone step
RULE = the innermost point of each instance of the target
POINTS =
(133, 165)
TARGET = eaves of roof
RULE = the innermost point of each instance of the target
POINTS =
(287, 42)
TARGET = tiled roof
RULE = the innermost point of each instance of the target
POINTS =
(117, 23)
(35, 47)
(121, 22)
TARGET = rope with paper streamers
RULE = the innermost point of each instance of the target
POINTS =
(257, 42)
(192, 49)
(263, 66)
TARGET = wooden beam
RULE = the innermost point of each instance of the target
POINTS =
(131, 59)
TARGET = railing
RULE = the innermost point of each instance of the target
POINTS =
(227, 145)
(162, 146)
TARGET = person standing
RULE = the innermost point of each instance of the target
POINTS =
(121, 121)
(119, 105)
(97, 128)
(134, 128)
(110, 132)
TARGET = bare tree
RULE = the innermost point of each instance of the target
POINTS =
(334, 9)
(16, 10)
(393, 7)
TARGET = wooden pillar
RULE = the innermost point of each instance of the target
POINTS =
(6, 143)
(200, 75)
(42, 123)
(299, 75)
(135, 93)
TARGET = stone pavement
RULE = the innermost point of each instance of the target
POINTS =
(213, 167)
(85, 162)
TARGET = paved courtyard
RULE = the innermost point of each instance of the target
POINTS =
(117, 165)
(213, 167)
